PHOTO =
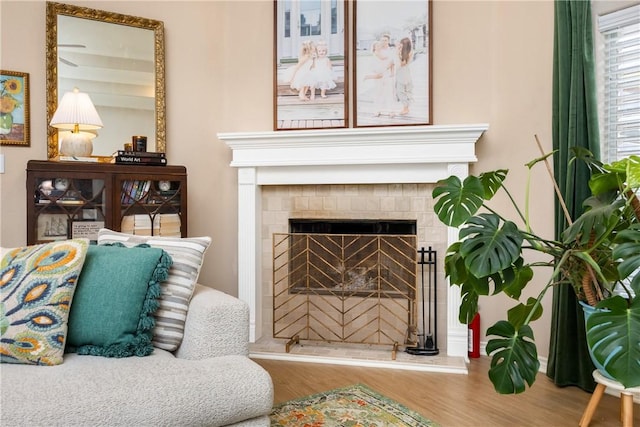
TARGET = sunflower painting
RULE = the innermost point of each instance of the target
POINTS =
(14, 108)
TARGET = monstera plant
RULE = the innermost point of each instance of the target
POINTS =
(598, 255)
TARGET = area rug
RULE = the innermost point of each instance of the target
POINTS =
(352, 406)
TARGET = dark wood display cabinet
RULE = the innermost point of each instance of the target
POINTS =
(76, 199)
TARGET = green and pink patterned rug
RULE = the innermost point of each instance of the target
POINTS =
(352, 406)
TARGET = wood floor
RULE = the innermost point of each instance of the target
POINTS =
(449, 399)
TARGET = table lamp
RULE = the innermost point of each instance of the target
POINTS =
(76, 113)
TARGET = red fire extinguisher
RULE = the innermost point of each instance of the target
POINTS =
(474, 337)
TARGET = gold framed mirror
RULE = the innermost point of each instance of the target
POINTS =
(119, 61)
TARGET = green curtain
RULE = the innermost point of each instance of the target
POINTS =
(574, 124)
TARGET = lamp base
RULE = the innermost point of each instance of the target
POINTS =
(76, 145)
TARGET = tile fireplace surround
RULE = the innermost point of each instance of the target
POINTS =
(383, 155)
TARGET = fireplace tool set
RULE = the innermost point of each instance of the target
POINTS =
(428, 339)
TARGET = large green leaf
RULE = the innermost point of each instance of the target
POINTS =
(456, 201)
(614, 338)
(470, 291)
(492, 181)
(468, 304)
(511, 280)
(610, 178)
(518, 314)
(601, 183)
(514, 358)
(617, 167)
(633, 172)
(480, 284)
(629, 252)
(523, 276)
(454, 265)
(488, 248)
(470, 287)
(622, 171)
(586, 156)
(598, 221)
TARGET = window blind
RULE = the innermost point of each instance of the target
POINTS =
(620, 32)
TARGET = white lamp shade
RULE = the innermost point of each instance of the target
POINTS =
(76, 108)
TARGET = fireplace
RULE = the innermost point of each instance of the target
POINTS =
(346, 159)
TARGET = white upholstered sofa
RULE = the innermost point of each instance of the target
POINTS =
(208, 381)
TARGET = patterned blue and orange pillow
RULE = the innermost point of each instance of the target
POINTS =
(95, 300)
(37, 284)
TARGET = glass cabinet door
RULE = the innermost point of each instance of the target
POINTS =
(67, 207)
(151, 207)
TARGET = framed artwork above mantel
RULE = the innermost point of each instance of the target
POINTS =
(392, 62)
(311, 64)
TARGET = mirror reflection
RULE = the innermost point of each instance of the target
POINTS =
(119, 61)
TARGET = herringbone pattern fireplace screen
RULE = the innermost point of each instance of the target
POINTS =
(344, 287)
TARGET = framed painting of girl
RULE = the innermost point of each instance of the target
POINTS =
(392, 62)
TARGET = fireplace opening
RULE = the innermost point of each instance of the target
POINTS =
(352, 226)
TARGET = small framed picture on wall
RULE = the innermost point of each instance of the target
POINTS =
(392, 62)
(14, 108)
(310, 76)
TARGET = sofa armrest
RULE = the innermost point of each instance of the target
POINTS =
(217, 325)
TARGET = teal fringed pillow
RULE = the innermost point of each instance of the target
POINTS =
(37, 285)
(187, 255)
(112, 311)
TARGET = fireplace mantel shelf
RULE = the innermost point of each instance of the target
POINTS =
(360, 146)
(399, 154)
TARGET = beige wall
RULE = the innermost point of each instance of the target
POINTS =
(492, 63)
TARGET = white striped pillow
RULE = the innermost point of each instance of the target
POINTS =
(187, 254)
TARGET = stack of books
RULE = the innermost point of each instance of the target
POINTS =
(140, 158)
(134, 191)
(170, 225)
(148, 225)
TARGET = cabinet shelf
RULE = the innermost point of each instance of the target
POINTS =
(149, 200)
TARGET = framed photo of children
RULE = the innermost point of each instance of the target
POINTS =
(14, 108)
(392, 70)
(310, 76)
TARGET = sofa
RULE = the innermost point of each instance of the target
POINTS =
(208, 381)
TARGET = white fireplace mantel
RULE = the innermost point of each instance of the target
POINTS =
(381, 155)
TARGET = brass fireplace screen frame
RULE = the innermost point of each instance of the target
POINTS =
(347, 288)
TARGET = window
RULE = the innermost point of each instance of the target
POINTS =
(619, 71)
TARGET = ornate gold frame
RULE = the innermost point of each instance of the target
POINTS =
(26, 135)
(55, 9)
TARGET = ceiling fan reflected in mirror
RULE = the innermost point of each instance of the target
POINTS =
(71, 45)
